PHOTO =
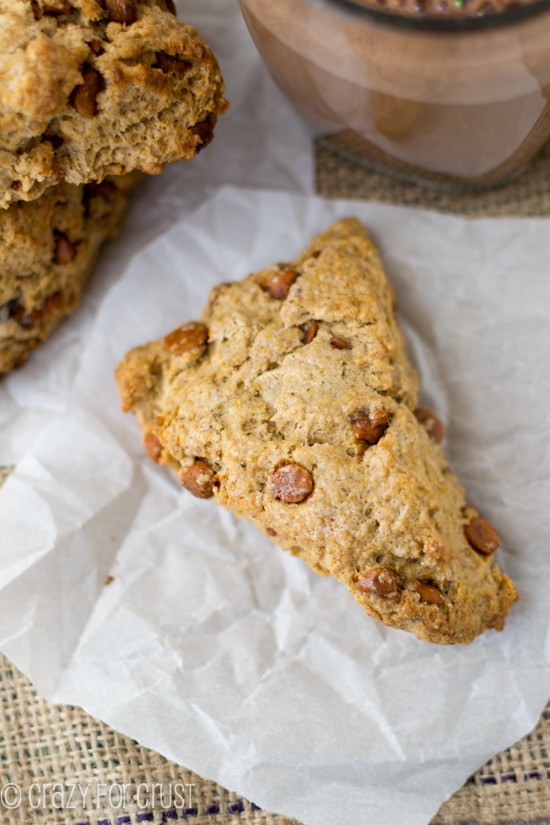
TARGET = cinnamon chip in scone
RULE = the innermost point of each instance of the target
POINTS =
(315, 434)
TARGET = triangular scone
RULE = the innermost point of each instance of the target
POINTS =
(293, 403)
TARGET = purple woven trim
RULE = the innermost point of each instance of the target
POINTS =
(237, 807)
(496, 779)
(212, 809)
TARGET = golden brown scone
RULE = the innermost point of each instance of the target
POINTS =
(84, 94)
(293, 403)
(47, 250)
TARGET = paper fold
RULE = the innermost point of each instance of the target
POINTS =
(221, 651)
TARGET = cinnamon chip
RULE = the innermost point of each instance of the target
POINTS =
(199, 479)
(186, 338)
(310, 331)
(339, 343)
(153, 447)
(291, 483)
(369, 427)
(427, 592)
(431, 423)
(279, 284)
(121, 11)
(84, 97)
(482, 536)
(64, 250)
(382, 581)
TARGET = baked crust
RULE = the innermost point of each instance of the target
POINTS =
(293, 404)
(47, 250)
(83, 96)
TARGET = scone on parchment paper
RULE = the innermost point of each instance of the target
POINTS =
(293, 403)
(90, 88)
(47, 251)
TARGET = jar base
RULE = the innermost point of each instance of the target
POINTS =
(354, 147)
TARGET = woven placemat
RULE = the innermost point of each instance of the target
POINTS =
(528, 196)
(48, 751)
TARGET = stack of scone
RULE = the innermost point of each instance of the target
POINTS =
(92, 93)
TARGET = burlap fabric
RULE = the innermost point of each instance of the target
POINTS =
(44, 748)
(528, 196)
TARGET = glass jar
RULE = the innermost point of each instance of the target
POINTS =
(459, 103)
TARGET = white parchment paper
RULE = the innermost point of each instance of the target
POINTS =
(223, 652)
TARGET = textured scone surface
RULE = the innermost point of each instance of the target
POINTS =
(83, 96)
(47, 250)
(293, 403)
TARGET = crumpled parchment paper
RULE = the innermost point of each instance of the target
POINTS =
(218, 649)
(211, 645)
